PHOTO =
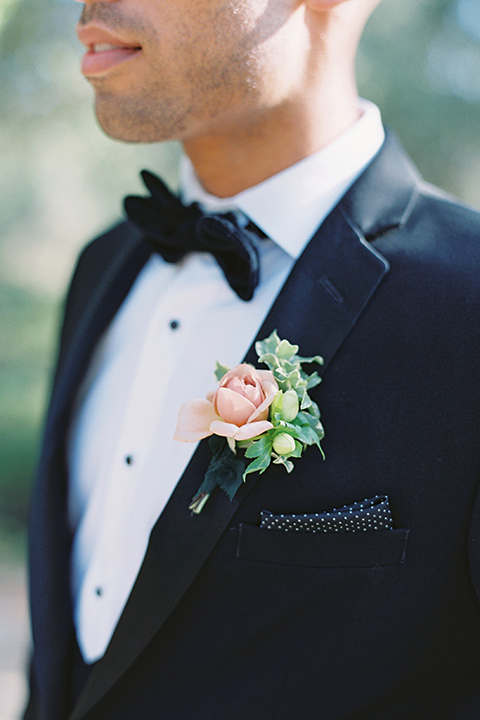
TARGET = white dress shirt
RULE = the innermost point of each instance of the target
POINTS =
(160, 351)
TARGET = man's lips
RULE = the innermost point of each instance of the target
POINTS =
(104, 50)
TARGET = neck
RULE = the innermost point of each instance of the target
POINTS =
(251, 151)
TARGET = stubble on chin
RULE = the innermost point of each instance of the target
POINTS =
(134, 120)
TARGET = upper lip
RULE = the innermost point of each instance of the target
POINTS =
(90, 35)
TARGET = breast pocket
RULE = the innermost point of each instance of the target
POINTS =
(323, 550)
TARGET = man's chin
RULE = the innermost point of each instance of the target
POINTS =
(121, 134)
(118, 129)
(128, 125)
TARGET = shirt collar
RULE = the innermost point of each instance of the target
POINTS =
(290, 206)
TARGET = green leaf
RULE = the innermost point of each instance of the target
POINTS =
(259, 447)
(260, 464)
(220, 371)
(307, 418)
(287, 427)
(310, 429)
(308, 436)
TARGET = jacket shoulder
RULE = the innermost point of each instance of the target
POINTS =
(450, 214)
(440, 239)
(434, 278)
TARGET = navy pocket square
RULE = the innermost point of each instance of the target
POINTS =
(369, 514)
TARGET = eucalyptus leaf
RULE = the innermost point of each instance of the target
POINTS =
(313, 380)
(269, 345)
(289, 366)
(293, 378)
(305, 402)
(285, 350)
(269, 359)
(314, 359)
(276, 419)
(282, 380)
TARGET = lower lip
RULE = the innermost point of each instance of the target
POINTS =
(97, 63)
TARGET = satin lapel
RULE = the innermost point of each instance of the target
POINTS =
(326, 291)
(49, 553)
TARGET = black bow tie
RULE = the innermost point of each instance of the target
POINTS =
(175, 229)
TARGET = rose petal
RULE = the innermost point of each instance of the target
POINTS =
(194, 420)
(228, 430)
(254, 393)
(248, 387)
(270, 389)
(235, 383)
(251, 430)
(232, 407)
(239, 371)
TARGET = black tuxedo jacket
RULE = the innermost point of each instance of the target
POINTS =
(227, 620)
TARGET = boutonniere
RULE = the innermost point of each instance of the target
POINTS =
(254, 417)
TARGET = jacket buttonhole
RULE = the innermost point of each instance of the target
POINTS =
(334, 293)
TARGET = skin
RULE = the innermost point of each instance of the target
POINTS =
(248, 86)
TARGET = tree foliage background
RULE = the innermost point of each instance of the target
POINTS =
(62, 180)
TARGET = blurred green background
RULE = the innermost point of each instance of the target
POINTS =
(62, 180)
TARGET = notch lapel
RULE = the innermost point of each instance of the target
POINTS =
(320, 303)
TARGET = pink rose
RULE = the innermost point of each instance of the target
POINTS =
(238, 409)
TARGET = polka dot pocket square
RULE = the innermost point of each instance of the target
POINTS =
(369, 514)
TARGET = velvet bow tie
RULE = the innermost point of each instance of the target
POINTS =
(175, 229)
